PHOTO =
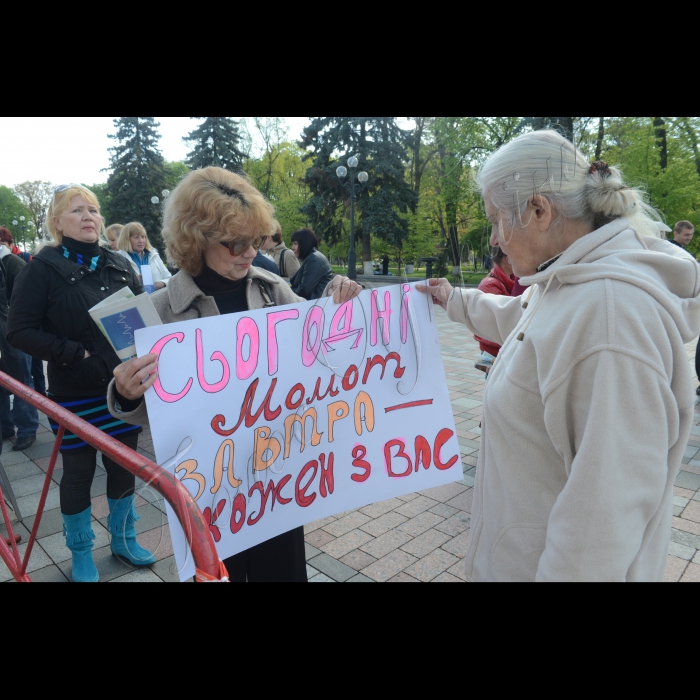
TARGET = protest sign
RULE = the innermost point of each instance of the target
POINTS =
(280, 417)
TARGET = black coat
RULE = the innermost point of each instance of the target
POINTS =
(9, 361)
(313, 277)
(50, 319)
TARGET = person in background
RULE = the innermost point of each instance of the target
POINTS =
(137, 249)
(315, 273)
(7, 239)
(217, 277)
(284, 258)
(50, 319)
(265, 262)
(385, 266)
(9, 360)
(112, 234)
(22, 415)
(500, 282)
(683, 234)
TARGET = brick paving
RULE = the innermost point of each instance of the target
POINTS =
(419, 538)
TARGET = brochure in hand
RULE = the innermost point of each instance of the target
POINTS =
(120, 316)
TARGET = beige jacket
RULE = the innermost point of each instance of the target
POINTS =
(183, 300)
(291, 262)
(586, 419)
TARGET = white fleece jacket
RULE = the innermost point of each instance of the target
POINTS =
(160, 272)
(587, 418)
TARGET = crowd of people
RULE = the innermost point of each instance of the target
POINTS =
(582, 323)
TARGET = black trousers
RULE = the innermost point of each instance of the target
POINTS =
(79, 473)
(697, 362)
(282, 560)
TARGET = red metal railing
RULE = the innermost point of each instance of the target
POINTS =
(197, 532)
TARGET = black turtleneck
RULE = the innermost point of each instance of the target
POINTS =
(88, 254)
(230, 296)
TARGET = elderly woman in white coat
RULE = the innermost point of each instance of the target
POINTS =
(589, 407)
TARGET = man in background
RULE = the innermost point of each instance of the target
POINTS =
(683, 234)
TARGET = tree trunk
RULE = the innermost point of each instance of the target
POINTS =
(601, 138)
(366, 245)
(661, 141)
(693, 136)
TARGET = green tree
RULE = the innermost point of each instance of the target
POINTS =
(138, 174)
(36, 197)
(11, 209)
(217, 143)
(380, 144)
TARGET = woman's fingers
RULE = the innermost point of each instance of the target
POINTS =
(345, 290)
(441, 291)
(136, 377)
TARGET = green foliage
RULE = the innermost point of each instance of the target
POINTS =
(279, 174)
(381, 147)
(36, 197)
(216, 143)
(138, 174)
(11, 208)
(175, 171)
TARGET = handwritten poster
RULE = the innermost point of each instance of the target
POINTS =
(280, 417)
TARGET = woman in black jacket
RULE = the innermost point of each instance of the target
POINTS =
(50, 320)
(315, 273)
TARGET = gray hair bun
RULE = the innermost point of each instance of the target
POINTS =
(607, 196)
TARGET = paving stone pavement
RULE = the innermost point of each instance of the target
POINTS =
(419, 538)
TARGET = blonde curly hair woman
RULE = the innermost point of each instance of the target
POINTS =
(215, 224)
(589, 407)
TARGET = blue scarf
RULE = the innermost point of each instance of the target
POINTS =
(139, 260)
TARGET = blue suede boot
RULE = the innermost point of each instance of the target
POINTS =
(79, 539)
(122, 527)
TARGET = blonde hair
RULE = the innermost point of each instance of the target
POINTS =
(544, 163)
(128, 232)
(209, 207)
(113, 231)
(60, 202)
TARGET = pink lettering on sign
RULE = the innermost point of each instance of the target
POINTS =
(312, 328)
(381, 316)
(273, 320)
(216, 357)
(247, 328)
(341, 328)
(163, 395)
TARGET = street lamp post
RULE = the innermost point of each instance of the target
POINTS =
(23, 219)
(355, 189)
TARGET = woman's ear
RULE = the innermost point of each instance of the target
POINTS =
(541, 212)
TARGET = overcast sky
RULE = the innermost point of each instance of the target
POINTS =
(64, 150)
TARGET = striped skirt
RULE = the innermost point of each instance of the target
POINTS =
(94, 411)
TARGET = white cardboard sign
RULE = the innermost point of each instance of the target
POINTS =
(280, 417)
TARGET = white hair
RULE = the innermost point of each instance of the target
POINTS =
(544, 163)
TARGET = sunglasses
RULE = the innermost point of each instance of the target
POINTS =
(63, 188)
(237, 248)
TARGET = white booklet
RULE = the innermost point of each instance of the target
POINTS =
(120, 316)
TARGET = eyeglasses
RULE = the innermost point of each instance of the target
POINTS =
(237, 248)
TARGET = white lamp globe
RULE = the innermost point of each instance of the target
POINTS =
(363, 177)
(342, 172)
(155, 200)
(353, 162)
